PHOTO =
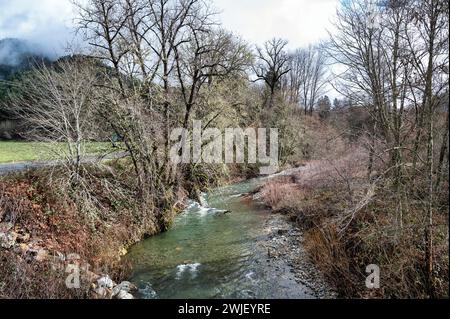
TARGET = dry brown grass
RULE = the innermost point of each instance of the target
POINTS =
(24, 279)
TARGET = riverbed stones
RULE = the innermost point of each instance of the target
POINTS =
(124, 286)
(284, 243)
(107, 289)
(103, 287)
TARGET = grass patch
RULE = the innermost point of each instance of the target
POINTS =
(13, 151)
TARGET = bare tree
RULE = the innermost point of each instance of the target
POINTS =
(392, 67)
(172, 24)
(102, 22)
(272, 65)
(376, 67)
(57, 108)
(209, 56)
(163, 52)
(429, 55)
(308, 76)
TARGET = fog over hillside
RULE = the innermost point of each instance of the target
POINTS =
(19, 54)
(13, 52)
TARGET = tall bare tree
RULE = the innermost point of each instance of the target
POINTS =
(209, 56)
(307, 77)
(428, 47)
(57, 108)
(163, 53)
(393, 66)
(272, 65)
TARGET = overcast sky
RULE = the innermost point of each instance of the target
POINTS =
(46, 22)
(49, 22)
(302, 22)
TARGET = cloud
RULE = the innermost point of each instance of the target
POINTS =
(48, 23)
(13, 52)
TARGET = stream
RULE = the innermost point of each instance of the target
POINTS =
(212, 254)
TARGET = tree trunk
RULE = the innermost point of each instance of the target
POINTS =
(443, 152)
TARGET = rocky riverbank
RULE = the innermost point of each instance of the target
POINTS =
(27, 249)
(57, 244)
(43, 242)
(284, 241)
(284, 246)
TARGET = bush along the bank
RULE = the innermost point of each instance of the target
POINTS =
(48, 225)
(350, 223)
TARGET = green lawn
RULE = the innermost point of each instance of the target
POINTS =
(12, 151)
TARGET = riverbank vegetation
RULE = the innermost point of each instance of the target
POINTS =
(377, 191)
(375, 185)
(48, 225)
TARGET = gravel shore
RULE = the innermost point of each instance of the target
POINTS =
(284, 245)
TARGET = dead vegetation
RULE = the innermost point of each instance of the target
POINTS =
(350, 222)
(45, 220)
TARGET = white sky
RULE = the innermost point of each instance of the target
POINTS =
(301, 22)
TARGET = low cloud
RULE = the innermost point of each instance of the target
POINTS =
(46, 24)
(13, 51)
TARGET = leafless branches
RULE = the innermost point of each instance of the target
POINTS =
(272, 65)
(307, 77)
(394, 67)
(58, 107)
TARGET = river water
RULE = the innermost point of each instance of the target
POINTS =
(209, 254)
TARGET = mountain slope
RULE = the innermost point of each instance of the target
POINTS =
(17, 55)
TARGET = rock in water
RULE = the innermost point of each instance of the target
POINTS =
(124, 286)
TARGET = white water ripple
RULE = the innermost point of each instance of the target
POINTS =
(187, 269)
